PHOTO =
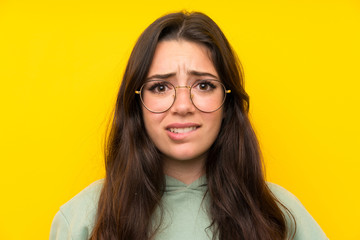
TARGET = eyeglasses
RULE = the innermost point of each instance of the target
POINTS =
(158, 96)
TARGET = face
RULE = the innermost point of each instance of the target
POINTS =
(183, 132)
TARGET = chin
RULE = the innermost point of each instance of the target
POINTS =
(183, 156)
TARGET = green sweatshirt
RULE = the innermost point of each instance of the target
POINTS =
(185, 214)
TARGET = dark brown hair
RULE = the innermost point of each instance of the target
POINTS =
(242, 206)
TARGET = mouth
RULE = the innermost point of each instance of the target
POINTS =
(182, 130)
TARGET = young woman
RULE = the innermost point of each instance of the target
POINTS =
(182, 160)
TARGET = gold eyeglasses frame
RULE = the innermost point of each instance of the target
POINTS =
(226, 91)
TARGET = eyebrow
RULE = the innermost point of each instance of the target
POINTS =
(192, 72)
(201, 74)
(161, 76)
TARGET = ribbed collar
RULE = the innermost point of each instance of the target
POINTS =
(172, 184)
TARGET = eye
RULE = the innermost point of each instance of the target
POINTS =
(158, 87)
(205, 85)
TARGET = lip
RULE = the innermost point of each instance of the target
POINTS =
(181, 136)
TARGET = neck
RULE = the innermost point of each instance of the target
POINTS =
(186, 171)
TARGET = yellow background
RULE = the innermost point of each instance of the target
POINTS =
(60, 69)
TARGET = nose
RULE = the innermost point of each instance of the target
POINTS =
(183, 104)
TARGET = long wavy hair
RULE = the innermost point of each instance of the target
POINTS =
(241, 205)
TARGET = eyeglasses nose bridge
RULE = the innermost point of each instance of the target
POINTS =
(188, 87)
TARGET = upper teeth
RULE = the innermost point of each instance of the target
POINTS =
(182, 130)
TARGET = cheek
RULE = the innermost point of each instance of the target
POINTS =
(152, 123)
(213, 126)
(216, 120)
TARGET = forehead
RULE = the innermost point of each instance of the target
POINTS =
(181, 57)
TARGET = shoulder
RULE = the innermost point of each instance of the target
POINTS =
(85, 201)
(76, 218)
(306, 226)
(284, 196)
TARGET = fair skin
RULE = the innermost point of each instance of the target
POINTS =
(183, 134)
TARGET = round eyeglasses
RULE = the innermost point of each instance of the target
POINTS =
(158, 96)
